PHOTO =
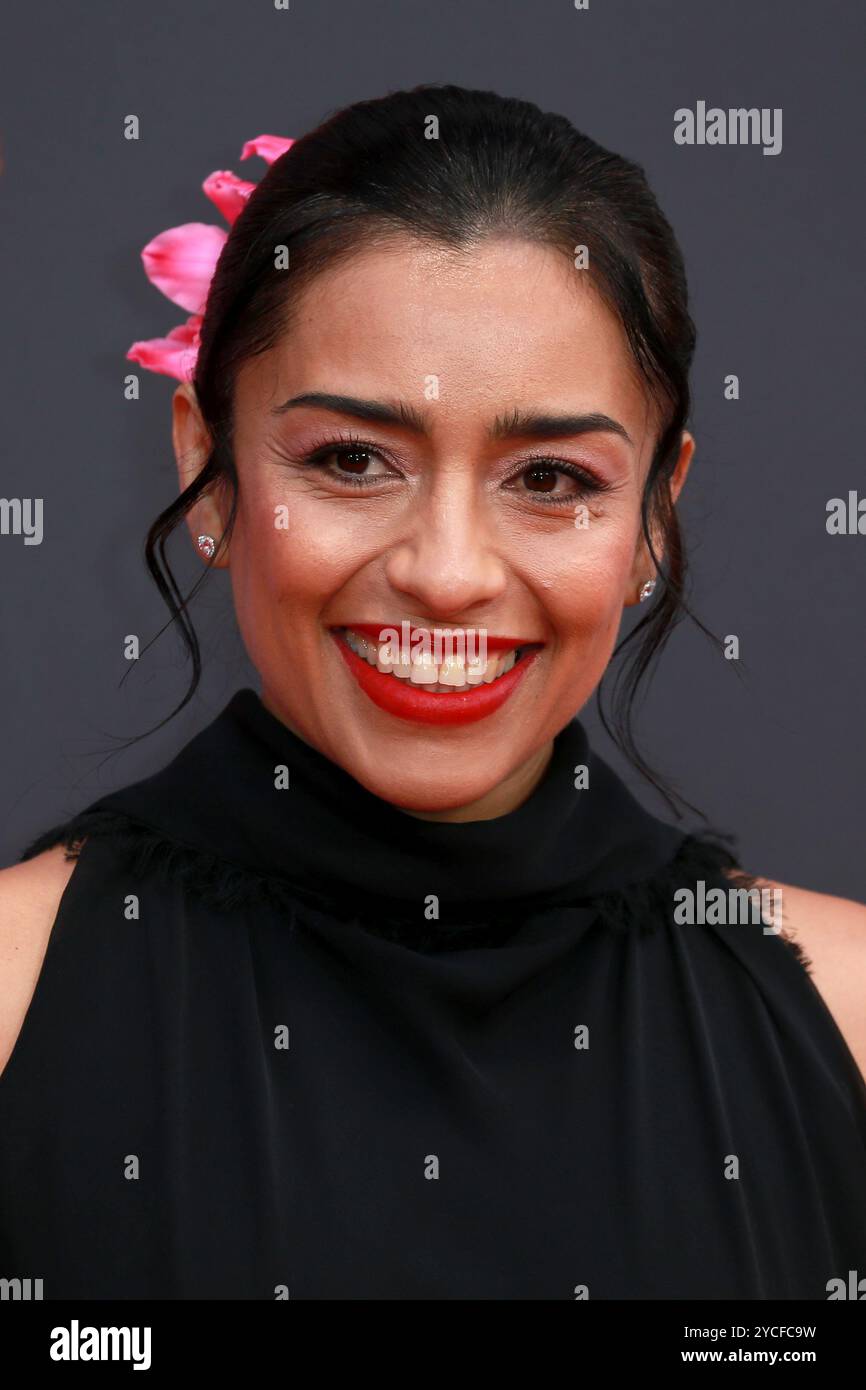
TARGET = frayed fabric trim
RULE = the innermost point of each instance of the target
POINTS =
(226, 886)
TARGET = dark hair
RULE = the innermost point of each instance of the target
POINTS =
(368, 175)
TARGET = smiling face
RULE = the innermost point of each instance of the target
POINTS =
(440, 515)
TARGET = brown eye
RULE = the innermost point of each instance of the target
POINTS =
(541, 478)
(352, 460)
(355, 464)
(538, 478)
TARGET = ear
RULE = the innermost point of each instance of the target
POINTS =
(644, 566)
(192, 446)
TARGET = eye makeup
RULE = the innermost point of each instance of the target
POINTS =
(346, 446)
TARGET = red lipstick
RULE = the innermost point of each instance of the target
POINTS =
(494, 644)
(412, 702)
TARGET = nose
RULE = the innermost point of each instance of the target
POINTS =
(447, 563)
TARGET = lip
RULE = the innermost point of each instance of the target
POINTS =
(494, 644)
(411, 702)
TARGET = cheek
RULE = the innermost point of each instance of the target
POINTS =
(585, 580)
(289, 546)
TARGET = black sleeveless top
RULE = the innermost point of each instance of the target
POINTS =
(288, 1041)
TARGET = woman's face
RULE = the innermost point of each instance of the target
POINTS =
(446, 507)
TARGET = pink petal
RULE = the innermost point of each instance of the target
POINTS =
(181, 262)
(268, 147)
(172, 356)
(227, 192)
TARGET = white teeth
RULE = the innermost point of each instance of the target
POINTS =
(475, 674)
(453, 673)
(424, 670)
(384, 663)
(449, 676)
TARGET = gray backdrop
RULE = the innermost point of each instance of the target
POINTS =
(773, 246)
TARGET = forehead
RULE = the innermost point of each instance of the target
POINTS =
(504, 323)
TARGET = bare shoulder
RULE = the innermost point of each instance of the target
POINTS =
(832, 933)
(30, 895)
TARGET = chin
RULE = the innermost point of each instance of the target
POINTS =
(416, 794)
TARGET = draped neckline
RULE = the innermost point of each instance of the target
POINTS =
(226, 793)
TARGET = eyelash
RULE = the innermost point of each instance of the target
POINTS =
(587, 484)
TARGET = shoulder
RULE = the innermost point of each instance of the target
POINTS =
(832, 933)
(30, 895)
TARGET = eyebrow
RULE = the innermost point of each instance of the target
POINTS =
(519, 424)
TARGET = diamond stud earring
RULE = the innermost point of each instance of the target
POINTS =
(206, 546)
(646, 590)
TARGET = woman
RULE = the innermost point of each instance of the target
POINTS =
(386, 987)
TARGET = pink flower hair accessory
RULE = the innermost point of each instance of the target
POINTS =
(181, 262)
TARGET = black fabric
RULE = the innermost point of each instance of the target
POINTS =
(437, 1126)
